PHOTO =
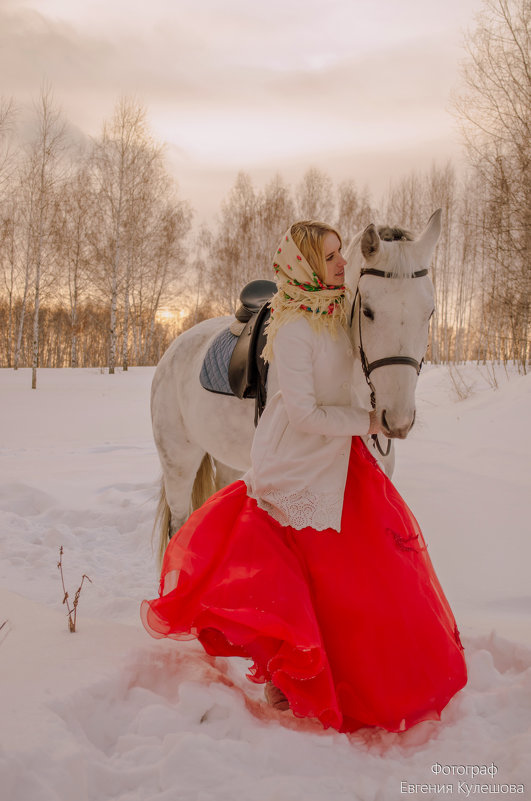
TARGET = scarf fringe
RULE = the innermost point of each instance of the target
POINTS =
(316, 305)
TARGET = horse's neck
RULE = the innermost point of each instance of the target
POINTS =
(352, 276)
(354, 263)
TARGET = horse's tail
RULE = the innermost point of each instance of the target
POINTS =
(204, 486)
(162, 522)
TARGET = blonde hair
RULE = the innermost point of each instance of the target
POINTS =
(308, 235)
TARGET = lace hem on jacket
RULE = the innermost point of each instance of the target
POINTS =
(303, 508)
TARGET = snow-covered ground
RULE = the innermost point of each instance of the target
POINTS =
(109, 713)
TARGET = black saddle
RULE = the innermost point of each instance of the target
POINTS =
(252, 298)
(247, 370)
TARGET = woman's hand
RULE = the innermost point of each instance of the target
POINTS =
(375, 427)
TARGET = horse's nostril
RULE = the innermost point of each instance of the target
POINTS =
(384, 420)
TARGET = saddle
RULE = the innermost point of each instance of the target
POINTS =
(247, 370)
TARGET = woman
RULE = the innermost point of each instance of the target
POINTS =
(312, 565)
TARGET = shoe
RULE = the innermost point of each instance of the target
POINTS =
(275, 697)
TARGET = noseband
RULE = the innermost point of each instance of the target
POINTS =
(368, 366)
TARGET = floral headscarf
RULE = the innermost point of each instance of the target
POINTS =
(301, 291)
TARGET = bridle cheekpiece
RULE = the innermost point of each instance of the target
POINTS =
(368, 366)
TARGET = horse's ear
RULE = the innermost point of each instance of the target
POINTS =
(429, 237)
(370, 241)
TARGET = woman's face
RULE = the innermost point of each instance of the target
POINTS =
(334, 261)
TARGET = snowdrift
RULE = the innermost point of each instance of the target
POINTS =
(108, 713)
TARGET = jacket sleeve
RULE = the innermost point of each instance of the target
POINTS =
(293, 353)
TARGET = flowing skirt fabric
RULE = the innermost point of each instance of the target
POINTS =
(352, 626)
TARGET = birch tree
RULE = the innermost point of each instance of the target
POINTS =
(8, 216)
(242, 248)
(26, 208)
(119, 155)
(494, 108)
(40, 181)
(45, 156)
(7, 149)
(314, 196)
(72, 245)
(354, 211)
(233, 254)
(9, 257)
(276, 211)
(158, 258)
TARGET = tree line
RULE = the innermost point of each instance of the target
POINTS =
(95, 240)
(92, 241)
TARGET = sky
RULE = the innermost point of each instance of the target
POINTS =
(357, 88)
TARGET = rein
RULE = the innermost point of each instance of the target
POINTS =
(368, 366)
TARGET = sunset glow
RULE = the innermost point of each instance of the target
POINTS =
(167, 315)
(261, 87)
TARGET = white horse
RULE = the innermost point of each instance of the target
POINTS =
(204, 439)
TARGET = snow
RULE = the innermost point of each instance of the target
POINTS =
(108, 713)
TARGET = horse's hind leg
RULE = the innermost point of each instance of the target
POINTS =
(186, 485)
(179, 475)
(189, 480)
(225, 475)
(180, 460)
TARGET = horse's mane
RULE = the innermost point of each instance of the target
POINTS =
(401, 266)
(394, 234)
(387, 233)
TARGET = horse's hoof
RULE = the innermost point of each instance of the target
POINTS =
(275, 697)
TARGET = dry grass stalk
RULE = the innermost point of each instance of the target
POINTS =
(5, 628)
(462, 389)
(72, 612)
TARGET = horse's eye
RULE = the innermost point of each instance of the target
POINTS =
(368, 313)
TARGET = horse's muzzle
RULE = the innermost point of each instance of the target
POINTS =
(396, 429)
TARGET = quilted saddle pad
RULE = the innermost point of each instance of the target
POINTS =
(214, 372)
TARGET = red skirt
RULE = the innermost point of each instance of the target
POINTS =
(352, 626)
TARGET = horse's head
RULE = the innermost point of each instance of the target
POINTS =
(393, 306)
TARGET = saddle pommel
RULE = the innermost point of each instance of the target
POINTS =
(252, 298)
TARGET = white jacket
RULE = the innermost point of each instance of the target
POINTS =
(301, 446)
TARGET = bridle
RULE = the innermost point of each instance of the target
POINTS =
(368, 366)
